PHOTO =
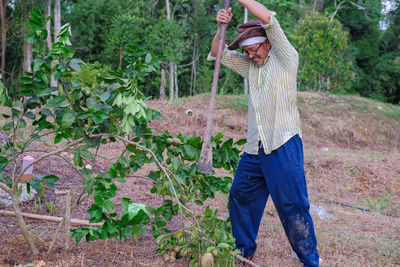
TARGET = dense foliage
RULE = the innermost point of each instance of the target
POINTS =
(103, 31)
(324, 44)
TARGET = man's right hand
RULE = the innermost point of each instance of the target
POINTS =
(224, 16)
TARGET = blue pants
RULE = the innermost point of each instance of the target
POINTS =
(281, 175)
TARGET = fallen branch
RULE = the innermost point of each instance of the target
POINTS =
(49, 218)
(245, 260)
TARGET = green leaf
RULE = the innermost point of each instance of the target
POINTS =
(46, 112)
(190, 151)
(175, 164)
(30, 115)
(90, 185)
(114, 86)
(208, 212)
(161, 224)
(78, 159)
(36, 183)
(148, 58)
(108, 205)
(134, 209)
(57, 75)
(219, 136)
(228, 143)
(8, 126)
(43, 91)
(75, 64)
(21, 124)
(121, 180)
(68, 53)
(35, 24)
(26, 79)
(104, 96)
(224, 245)
(78, 233)
(91, 103)
(37, 64)
(86, 154)
(32, 38)
(68, 119)
(50, 180)
(83, 115)
(57, 138)
(55, 102)
(241, 142)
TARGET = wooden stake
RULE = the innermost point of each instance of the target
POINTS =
(49, 218)
(67, 219)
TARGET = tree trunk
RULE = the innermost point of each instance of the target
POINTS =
(319, 5)
(22, 224)
(27, 57)
(168, 10)
(171, 64)
(195, 70)
(121, 54)
(193, 62)
(176, 81)
(171, 81)
(4, 28)
(49, 39)
(246, 81)
(162, 87)
(48, 25)
(57, 26)
(57, 19)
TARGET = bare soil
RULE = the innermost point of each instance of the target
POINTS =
(352, 157)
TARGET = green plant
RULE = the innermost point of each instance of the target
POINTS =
(51, 208)
(381, 203)
(37, 204)
(83, 116)
(322, 45)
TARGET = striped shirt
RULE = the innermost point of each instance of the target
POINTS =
(273, 116)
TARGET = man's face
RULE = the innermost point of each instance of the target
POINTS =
(257, 52)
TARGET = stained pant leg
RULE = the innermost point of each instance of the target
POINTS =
(247, 198)
(283, 170)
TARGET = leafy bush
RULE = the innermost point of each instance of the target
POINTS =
(93, 106)
(322, 45)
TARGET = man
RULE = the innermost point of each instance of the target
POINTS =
(273, 160)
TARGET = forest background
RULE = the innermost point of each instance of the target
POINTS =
(350, 47)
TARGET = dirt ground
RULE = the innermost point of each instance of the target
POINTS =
(352, 158)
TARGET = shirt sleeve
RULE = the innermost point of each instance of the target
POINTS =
(286, 53)
(234, 61)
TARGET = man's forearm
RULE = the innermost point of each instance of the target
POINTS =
(214, 45)
(257, 9)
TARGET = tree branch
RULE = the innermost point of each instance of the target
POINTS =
(5, 188)
(43, 157)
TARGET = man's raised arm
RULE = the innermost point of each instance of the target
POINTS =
(223, 16)
(257, 9)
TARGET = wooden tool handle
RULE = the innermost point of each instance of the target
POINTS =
(205, 163)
